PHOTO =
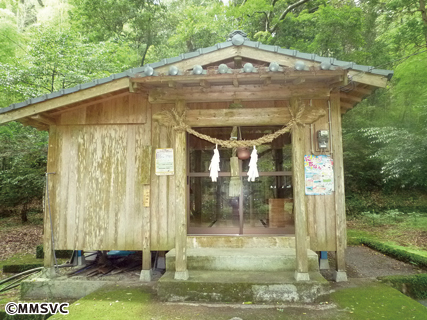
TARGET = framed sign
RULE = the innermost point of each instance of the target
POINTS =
(319, 175)
(164, 162)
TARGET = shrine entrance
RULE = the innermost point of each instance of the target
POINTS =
(233, 205)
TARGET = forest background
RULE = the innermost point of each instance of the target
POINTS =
(48, 45)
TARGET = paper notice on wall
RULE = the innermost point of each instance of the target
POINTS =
(164, 162)
(319, 175)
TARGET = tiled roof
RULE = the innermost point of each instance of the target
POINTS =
(199, 52)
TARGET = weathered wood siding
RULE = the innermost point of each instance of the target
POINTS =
(321, 216)
(101, 170)
(162, 191)
(103, 156)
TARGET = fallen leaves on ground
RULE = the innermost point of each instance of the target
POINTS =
(19, 238)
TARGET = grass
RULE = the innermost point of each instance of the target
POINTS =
(378, 302)
(369, 302)
(21, 258)
(111, 303)
(408, 231)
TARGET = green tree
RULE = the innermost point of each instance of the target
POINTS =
(22, 166)
(58, 59)
(134, 22)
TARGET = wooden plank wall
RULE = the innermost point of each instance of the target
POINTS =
(96, 193)
(321, 216)
(162, 191)
(101, 154)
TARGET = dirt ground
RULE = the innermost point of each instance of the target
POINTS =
(17, 238)
(363, 262)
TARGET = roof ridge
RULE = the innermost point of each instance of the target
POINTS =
(236, 40)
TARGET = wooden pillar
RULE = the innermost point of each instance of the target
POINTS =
(336, 140)
(144, 185)
(146, 272)
(298, 181)
(47, 239)
(49, 259)
(181, 272)
(197, 190)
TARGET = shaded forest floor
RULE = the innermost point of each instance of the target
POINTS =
(397, 229)
(355, 299)
(17, 238)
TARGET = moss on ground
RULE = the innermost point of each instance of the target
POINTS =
(109, 303)
(369, 302)
(414, 286)
(21, 259)
(378, 302)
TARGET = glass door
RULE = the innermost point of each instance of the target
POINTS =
(264, 206)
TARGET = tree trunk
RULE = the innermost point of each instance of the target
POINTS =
(424, 17)
(24, 212)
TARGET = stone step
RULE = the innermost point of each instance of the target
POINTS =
(242, 286)
(241, 242)
(242, 259)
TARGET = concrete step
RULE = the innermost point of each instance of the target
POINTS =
(241, 242)
(242, 259)
(242, 286)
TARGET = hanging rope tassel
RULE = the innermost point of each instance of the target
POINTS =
(253, 169)
(214, 166)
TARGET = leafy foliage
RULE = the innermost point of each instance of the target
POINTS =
(58, 59)
(22, 165)
(46, 46)
(134, 23)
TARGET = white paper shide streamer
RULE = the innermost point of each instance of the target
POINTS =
(214, 167)
(253, 169)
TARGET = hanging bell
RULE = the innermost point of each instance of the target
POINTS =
(243, 153)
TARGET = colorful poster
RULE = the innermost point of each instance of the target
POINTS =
(319, 175)
(164, 162)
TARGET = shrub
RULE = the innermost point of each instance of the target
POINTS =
(414, 286)
(391, 251)
(59, 253)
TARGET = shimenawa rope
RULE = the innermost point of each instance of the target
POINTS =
(172, 118)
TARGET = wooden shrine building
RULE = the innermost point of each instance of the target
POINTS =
(127, 172)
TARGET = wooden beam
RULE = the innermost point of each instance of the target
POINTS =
(346, 105)
(362, 91)
(338, 81)
(298, 183)
(298, 81)
(237, 62)
(337, 149)
(34, 123)
(243, 117)
(207, 58)
(44, 119)
(244, 93)
(242, 77)
(76, 97)
(205, 84)
(133, 87)
(368, 78)
(174, 84)
(90, 103)
(350, 97)
(181, 272)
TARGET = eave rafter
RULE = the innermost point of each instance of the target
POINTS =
(313, 84)
(352, 95)
(243, 116)
(242, 93)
